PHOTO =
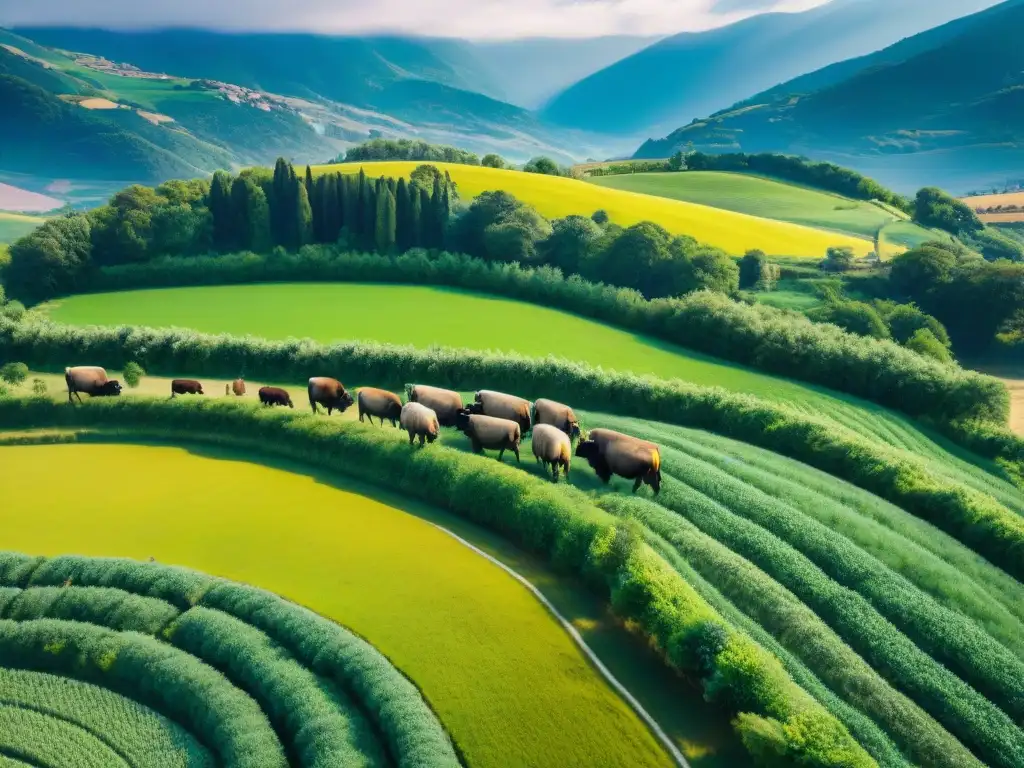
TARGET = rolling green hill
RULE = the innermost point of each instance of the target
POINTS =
(942, 108)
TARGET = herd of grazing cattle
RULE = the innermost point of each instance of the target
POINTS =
(493, 421)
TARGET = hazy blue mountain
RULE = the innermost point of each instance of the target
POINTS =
(694, 74)
(946, 106)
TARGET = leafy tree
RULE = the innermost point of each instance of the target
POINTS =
(924, 342)
(704, 268)
(677, 162)
(409, 149)
(493, 161)
(180, 229)
(13, 310)
(935, 208)
(853, 316)
(637, 258)
(752, 267)
(600, 217)
(54, 259)
(487, 210)
(920, 270)
(386, 221)
(133, 372)
(425, 177)
(251, 215)
(543, 165)
(838, 259)
(14, 373)
(572, 242)
(905, 320)
(995, 245)
(515, 236)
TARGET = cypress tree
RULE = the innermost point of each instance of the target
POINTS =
(351, 216)
(251, 215)
(403, 217)
(386, 220)
(302, 223)
(438, 216)
(316, 203)
(280, 210)
(219, 203)
(309, 182)
(328, 208)
(361, 205)
(368, 226)
(420, 210)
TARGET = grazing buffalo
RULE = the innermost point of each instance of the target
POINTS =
(92, 380)
(186, 387)
(419, 421)
(557, 415)
(380, 403)
(275, 396)
(330, 393)
(238, 387)
(489, 432)
(444, 402)
(552, 446)
(502, 406)
(612, 453)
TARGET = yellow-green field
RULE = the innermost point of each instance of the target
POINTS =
(504, 678)
(555, 197)
(16, 225)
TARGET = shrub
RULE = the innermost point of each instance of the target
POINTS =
(39, 387)
(600, 217)
(923, 342)
(763, 337)
(853, 316)
(132, 374)
(13, 310)
(14, 373)
(839, 259)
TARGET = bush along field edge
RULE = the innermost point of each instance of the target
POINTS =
(774, 717)
(759, 336)
(975, 518)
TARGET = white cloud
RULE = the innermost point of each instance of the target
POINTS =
(446, 18)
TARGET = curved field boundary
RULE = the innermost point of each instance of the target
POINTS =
(651, 723)
(555, 197)
(972, 516)
(563, 525)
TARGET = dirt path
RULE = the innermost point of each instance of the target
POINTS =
(1016, 387)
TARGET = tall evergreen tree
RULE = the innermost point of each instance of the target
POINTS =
(368, 226)
(386, 220)
(302, 223)
(279, 201)
(316, 202)
(329, 208)
(362, 204)
(309, 181)
(420, 212)
(438, 216)
(219, 203)
(351, 216)
(251, 214)
(403, 217)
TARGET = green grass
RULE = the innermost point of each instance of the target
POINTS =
(757, 196)
(142, 736)
(17, 225)
(501, 674)
(901, 235)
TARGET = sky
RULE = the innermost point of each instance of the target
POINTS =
(479, 19)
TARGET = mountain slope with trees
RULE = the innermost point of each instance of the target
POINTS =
(694, 74)
(944, 107)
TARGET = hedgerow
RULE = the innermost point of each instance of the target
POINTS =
(971, 516)
(762, 337)
(965, 713)
(804, 634)
(561, 524)
(413, 734)
(163, 678)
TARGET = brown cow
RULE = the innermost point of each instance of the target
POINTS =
(557, 415)
(92, 380)
(502, 406)
(330, 393)
(380, 403)
(443, 402)
(613, 453)
(489, 432)
(275, 396)
(238, 387)
(186, 387)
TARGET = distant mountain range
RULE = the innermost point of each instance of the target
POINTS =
(693, 74)
(945, 106)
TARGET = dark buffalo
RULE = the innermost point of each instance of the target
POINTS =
(380, 403)
(612, 453)
(330, 393)
(92, 380)
(186, 387)
(275, 396)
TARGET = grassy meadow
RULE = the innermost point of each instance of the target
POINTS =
(757, 196)
(501, 674)
(555, 197)
(898, 236)
(17, 225)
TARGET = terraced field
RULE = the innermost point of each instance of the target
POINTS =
(757, 196)
(556, 197)
(491, 662)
